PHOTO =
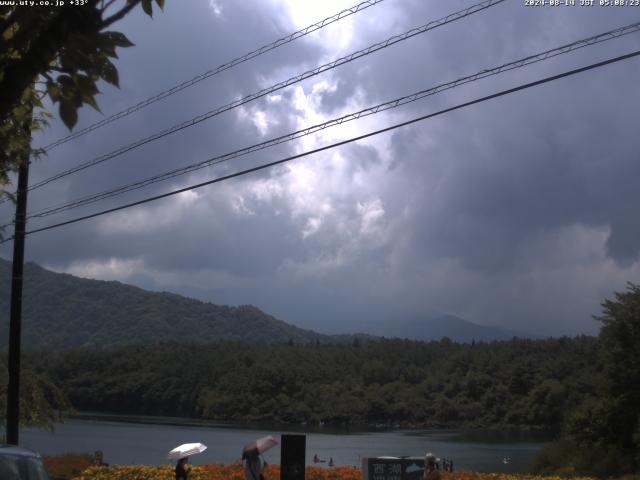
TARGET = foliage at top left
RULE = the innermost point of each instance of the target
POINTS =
(58, 52)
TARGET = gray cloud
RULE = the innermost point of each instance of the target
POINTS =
(516, 212)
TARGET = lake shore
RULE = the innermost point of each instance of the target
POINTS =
(146, 441)
(545, 433)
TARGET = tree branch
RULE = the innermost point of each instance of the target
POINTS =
(117, 16)
(109, 3)
(60, 69)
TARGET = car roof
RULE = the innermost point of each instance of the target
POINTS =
(15, 450)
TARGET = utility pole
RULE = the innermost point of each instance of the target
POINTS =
(15, 323)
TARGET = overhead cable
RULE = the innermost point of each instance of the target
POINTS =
(221, 68)
(602, 37)
(337, 144)
(266, 91)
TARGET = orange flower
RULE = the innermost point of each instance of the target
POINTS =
(73, 466)
(67, 465)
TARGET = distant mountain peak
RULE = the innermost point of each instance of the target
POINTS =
(438, 326)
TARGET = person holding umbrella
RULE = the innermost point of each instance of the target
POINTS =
(182, 453)
(183, 469)
(251, 459)
(430, 470)
(253, 465)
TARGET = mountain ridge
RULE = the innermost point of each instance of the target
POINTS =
(62, 311)
(446, 325)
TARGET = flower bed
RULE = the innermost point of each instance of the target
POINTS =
(68, 465)
(272, 472)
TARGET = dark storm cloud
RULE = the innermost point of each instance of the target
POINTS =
(516, 212)
(176, 51)
(527, 170)
(216, 42)
(491, 179)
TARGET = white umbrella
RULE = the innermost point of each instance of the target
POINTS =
(186, 450)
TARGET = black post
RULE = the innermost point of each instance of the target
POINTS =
(13, 389)
(292, 456)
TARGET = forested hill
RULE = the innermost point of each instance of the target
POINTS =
(61, 311)
(518, 382)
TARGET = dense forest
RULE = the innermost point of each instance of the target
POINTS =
(518, 382)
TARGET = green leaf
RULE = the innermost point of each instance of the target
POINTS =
(66, 81)
(9, 32)
(76, 100)
(110, 74)
(86, 86)
(118, 39)
(68, 114)
(88, 99)
(160, 4)
(74, 59)
(54, 91)
(37, 103)
(146, 6)
(20, 111)
(109, 50)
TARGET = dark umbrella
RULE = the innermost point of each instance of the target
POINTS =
(259, 446)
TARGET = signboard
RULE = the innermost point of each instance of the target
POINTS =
(392, 468)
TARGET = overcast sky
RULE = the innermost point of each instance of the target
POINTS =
(519, 212)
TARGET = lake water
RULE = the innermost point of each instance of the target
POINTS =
(146, 440)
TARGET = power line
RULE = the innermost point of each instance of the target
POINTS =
(221, 68)
(254, 96)
(602, 37)
(337, 144)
